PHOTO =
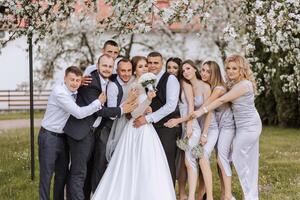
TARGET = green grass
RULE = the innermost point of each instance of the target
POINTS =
(7, 115)
(279, 176)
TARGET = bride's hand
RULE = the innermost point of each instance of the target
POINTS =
(148, 110)
(151, 94)
(133, 94)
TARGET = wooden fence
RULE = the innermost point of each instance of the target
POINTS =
(20, 99)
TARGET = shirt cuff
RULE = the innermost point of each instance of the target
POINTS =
(149, 119)
(97, 104)
(121, 110)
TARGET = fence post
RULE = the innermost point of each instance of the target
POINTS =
(31, 106)
(8, 96)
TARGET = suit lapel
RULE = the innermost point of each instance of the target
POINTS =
(96, 77)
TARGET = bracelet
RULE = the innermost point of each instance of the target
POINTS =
(204, 135)
(205, 110)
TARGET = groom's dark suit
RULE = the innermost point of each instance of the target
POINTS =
(102, 133)
(167, 136)
(81, 138)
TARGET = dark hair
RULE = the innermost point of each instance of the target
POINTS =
(154, 54)
(190, 62)
(73, 69)
(135, 60)
(103, 55)
(178, 61)
(125, 60)
(110, 42)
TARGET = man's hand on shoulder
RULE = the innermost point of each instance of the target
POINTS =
(86, 80)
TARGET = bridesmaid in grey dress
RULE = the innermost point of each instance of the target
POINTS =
(211, 73)
(192, 131)
(173, 66)
(209, 135)
(245, 150)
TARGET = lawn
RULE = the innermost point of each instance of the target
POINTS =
(7, 115)
(279, 166)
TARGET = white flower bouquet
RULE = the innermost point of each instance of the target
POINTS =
(148, 81)
(183, 143)
(197, 152)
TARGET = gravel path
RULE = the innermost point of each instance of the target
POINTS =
(18, 123)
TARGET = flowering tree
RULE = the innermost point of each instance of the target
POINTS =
(271, 38)
(267, 30)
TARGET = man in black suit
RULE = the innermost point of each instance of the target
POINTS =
(117, 92)
(80, 133)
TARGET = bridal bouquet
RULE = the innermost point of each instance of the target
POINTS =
(197, 151)
(148, 81)
(183, 143)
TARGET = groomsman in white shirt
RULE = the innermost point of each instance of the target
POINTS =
(117, 93)
(117, 90)
(83, 133)
(53, 151)
(164, 108)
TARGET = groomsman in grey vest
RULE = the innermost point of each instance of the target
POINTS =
(81, 138)
(163, 107)
(53, 151)
(117, 92)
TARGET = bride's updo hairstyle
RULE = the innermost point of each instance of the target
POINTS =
(135, 60)
(245, 70)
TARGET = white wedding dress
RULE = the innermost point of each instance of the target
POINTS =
(138, 169)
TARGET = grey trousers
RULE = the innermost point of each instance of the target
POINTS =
(53, 159)
(80, 152)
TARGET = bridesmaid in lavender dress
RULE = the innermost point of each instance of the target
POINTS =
(245, 152)
(208, 125)
(174, 67)
(211, 73)
(192, 131)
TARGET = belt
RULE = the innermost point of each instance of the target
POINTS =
(53, 133)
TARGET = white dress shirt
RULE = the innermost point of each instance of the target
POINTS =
(103, 83)
(61, 105)
(172, 96)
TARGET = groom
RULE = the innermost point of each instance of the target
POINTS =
(117, 93)
(80, 133)
(163, 107)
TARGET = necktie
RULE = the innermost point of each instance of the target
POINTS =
(99, 118)
(74, 96)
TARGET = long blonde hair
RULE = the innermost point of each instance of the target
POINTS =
(245, 70)
(215, 74)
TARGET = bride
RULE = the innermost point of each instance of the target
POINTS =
(138, 168)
